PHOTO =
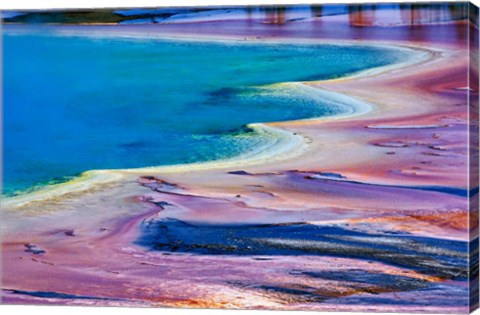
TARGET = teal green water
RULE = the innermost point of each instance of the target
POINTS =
(73, 104)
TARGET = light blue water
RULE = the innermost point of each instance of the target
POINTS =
(73, 104)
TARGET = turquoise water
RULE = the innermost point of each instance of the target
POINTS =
(73, 104)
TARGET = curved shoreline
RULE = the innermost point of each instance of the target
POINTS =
(288, 145)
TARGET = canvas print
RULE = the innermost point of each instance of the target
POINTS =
(294, 157)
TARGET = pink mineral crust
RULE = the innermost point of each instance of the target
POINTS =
(372, 216)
